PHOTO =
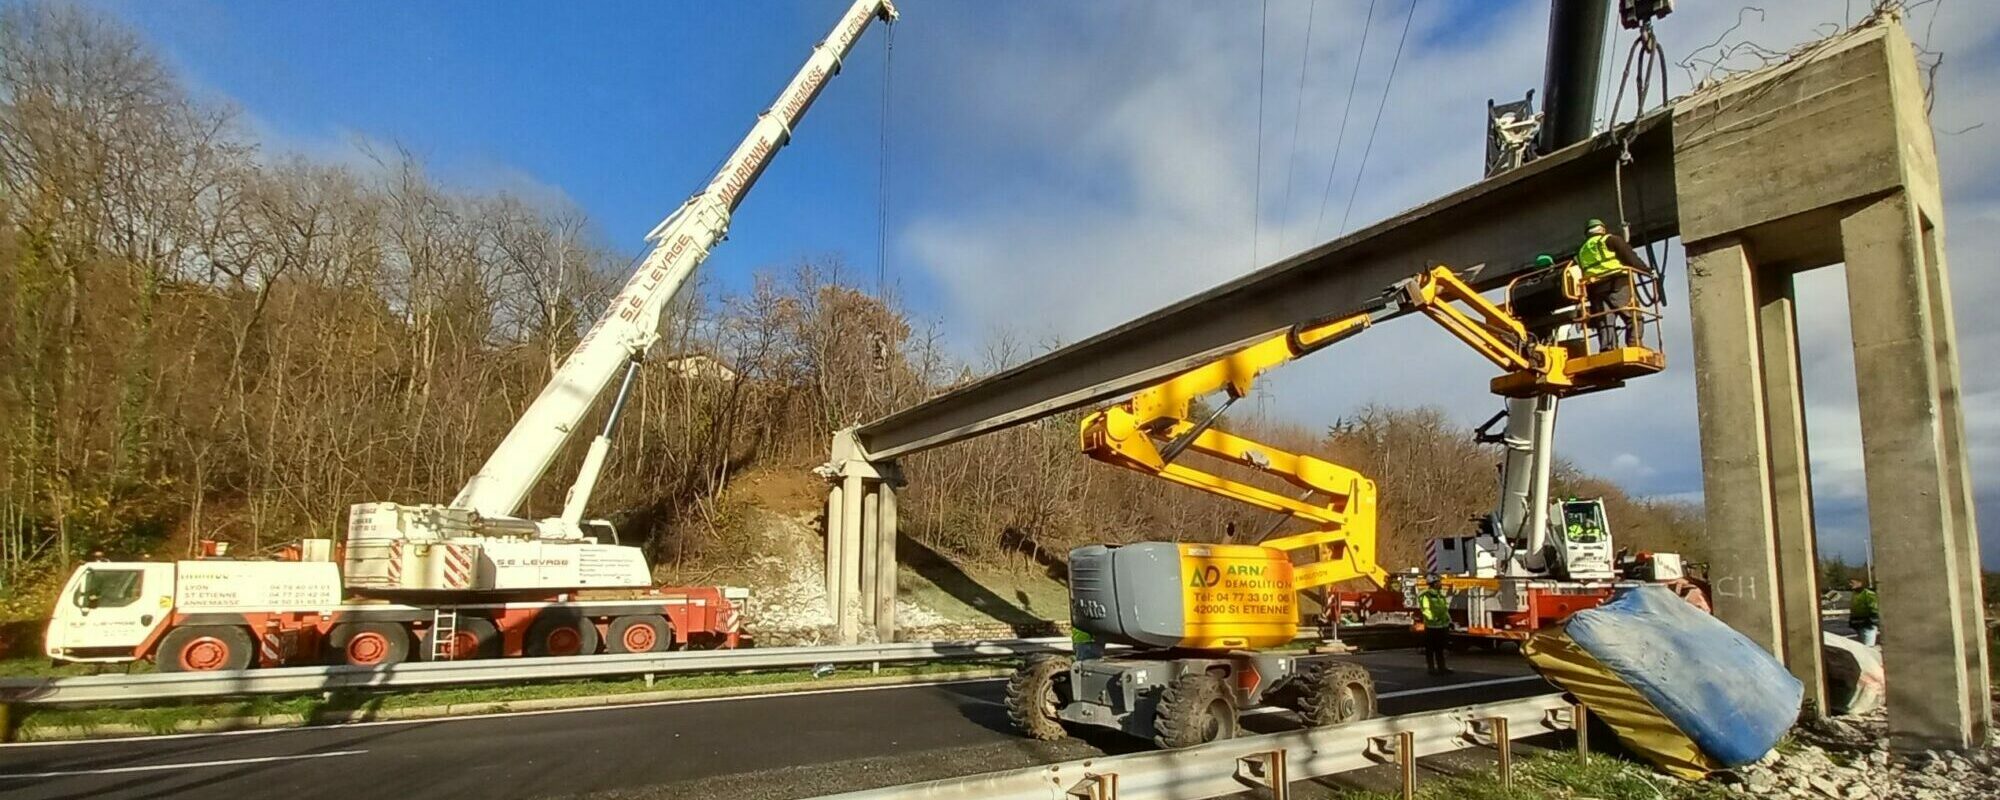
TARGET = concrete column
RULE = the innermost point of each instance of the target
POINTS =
(885, 567)
(834, 508)
(1910, 507)
(1958, 477)
(870, 525)
(847, 617)
(1736, 473)
(1791, 484)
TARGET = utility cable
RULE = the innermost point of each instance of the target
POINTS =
(1387, 86)
(1257, 198)
(1298, 108)
(1340, 140)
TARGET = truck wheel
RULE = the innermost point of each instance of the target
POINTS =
(1335, 694)
(1195, 709)
(205, 648)
(640, 633)
(370, 644)
(561, 632)
(476, 637)
(1038, 690)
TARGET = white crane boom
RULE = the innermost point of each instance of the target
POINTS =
(630, 326)
(476, 544)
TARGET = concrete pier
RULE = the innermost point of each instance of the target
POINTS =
(1824, 160)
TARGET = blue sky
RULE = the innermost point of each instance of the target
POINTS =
(1059, 168)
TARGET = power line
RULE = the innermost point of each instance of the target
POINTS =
(1257, 200)
(1377, 125)
(1341, 140)
(1298, 109)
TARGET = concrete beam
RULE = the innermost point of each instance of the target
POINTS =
(1502, 222)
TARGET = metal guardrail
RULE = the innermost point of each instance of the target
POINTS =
(1271, 761)
(307, 680)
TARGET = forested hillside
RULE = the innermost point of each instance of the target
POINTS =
(206, 338)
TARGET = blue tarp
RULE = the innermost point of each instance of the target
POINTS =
(1731, 699)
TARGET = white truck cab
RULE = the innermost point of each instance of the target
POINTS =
(109, 610)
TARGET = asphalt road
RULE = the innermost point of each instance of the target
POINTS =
(787, 746)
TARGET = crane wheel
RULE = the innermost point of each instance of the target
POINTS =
(1197, 708)
(1334, 694)
(1036, 692)
(205, 648)
(639, 633)
(561, 632)
(370, 644)
(476, 637)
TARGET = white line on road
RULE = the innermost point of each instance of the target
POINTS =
(609, 706)
(227, 762)
(1410, 692)
(650, 704)
(1452, 687)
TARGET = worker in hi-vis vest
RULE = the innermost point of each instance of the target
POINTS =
(1605, 259)
(1434, 610)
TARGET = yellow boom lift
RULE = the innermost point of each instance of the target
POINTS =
(1201, 615)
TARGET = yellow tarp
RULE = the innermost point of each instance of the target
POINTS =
(1640, 726)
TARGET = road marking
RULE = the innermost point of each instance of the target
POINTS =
(1452, 687)
(339, 726)
(656, 703)
(227, 762)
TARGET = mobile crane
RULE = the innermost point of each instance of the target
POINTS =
(469, 578)
(1202, 616)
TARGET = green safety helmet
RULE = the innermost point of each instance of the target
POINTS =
(1544, 261)
(1594, 223)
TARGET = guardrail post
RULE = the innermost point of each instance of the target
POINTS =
(1267, 770)
(1403, 747)
(1493, 731)
(1095, 787)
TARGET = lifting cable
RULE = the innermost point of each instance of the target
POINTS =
(882, 170)
(1650, 59)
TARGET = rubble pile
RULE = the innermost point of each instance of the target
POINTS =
(1847, 758)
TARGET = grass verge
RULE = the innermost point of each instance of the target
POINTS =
(348, 705)
(1563, 776)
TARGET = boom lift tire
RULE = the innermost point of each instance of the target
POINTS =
(369, 644)
(1335, 694)
(560, 632)
(476, 638)
(1034, 694)
(205, 648)
(639, 633)
(1196, 708)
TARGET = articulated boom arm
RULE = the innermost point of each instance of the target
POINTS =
(1487, 327)
(629, 327)
(1132, 435)
(1533, 367)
